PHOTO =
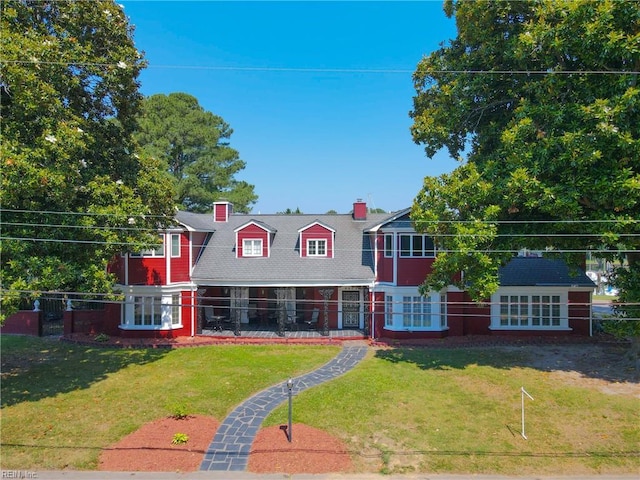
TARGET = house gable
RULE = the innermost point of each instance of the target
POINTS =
(316, 240)
(253, 239)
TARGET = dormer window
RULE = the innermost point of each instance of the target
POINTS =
(254, 239)
(316, 240)
(252, 247)
(317, 247)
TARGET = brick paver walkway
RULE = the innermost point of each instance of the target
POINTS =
(229, 450)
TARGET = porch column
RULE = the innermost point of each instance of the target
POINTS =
(199, 310)
(326, 295)
(281, 295)
(236, 309)
(367, 311)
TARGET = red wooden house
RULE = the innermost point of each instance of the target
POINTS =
(362, 269)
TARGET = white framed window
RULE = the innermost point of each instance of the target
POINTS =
(443, 310)
(388, 310)
(176, 317)
(152, 312)
(389, 245)
(416, 312)
(147, 311)
(175, 245)
(252, 247)
(406, 309)
(156, 252)
(414, 245)
(531, 311)
(317, 247)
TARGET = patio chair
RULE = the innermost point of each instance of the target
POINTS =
(212, 321)
(313, 323)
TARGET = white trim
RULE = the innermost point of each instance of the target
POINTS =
(252, 254)
(318, 240)
(317, 222)
(392, 218)
(392, 235)
(424, 252)
(171, 237)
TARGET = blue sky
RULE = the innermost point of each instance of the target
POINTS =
(317, 93)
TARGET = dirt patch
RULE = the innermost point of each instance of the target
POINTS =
(310, 451)
(150, 449)
(605, 367)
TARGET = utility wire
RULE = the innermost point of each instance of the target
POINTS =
(262, 215)
(549, 71)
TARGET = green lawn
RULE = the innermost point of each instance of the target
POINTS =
(62, 403)
(401, 410)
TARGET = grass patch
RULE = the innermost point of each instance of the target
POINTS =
(63, 403)
(401, 410)
(440, 411)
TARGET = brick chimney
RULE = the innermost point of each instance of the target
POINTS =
(359, 210)
(221, 211)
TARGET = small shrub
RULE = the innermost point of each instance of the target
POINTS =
(180, 438)
(101, 337)
(179, 411)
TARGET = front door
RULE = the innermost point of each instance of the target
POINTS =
(350, 309)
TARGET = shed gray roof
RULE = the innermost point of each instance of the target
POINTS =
(352, 262)
(538, 271)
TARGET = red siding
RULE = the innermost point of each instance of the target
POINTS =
(456, 313)
(477, 317)
(221, 211)
(413, 270)
(378, 315)
(385, 264)
(147, 271)
(116, 266)
(580, 312)
(180, 268)
(316, 232)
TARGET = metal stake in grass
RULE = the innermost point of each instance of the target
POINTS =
(290, 387)
(523, 392)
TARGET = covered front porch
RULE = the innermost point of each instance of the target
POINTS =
(266, 333)
(264, 311)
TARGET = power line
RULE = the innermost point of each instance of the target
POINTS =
(90, 214)
(231, 68)
(335, 250)
(261, 215)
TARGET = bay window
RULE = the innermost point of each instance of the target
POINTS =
(151, 311)
(406, 309)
